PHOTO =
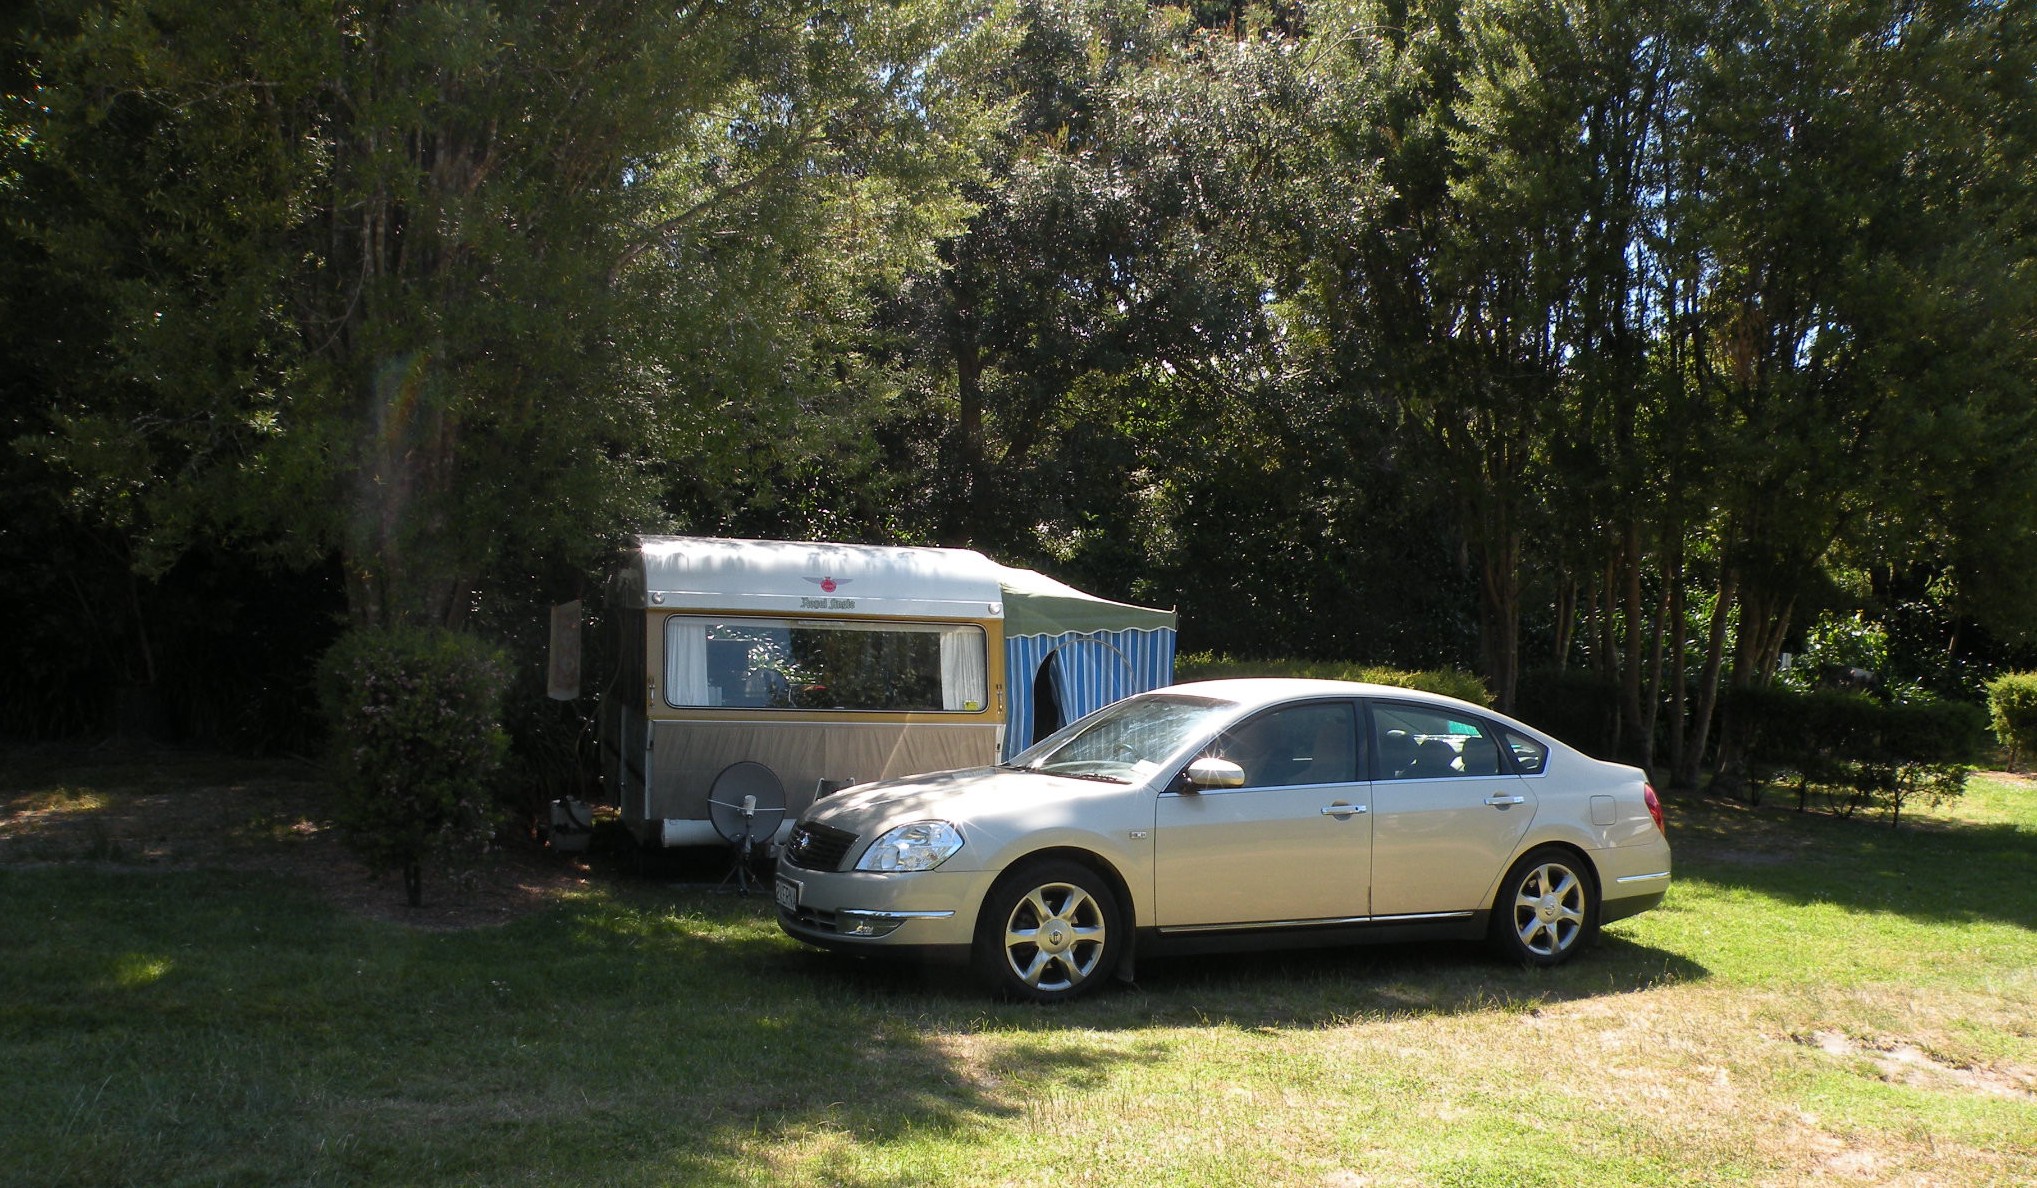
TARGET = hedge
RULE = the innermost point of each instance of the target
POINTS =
(2012, 708)
(1853, 751)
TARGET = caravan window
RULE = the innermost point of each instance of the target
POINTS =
(804, 664)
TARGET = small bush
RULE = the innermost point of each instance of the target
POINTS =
(1450, 682)
(1849, 651)
(1853, 751)
(2012, 708)
(416, 731)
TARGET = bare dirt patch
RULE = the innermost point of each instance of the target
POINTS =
(1902, 1062)
(169, 810)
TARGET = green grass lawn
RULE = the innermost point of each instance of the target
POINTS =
(1817, 998)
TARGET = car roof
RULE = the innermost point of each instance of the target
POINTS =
(1258, 691)
(1251, 693)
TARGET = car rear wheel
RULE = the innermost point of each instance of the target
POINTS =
(1049, 931)
(1547, 908)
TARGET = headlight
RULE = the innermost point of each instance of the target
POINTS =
(921, 845)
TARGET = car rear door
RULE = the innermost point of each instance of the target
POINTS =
(1447, 813)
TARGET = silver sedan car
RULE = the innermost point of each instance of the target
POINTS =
(1232, 814)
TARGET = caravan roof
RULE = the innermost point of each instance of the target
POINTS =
(820, 579)
(815, 579)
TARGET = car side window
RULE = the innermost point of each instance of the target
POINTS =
(1303, 744)
(1419, 743)
(1529, 756)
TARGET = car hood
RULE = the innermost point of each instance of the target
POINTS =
(972, 795)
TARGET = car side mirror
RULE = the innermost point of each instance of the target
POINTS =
(1209, 772)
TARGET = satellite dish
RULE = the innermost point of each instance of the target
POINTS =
(746, 803)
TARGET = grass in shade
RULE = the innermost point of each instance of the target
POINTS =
(1818, 999)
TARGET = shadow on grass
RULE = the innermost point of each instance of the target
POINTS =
(1930, 870)
(1300, 988)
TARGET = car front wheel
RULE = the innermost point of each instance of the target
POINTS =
(1547, 908)
(1049, 931)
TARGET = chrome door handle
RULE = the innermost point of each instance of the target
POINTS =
(1503, 801)
(1343, 810)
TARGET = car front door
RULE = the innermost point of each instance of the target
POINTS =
(1447, 814)
(1292, 845)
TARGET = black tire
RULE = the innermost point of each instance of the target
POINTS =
(1049, 931)
(1547, 908)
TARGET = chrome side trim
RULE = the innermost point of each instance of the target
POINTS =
(1252, 788)
(1264, 924)
(1255, 925)
(1643, 878)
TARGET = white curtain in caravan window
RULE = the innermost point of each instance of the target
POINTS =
(963, 676)
(685, 662)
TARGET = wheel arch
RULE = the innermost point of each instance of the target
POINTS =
(1570, 845)
(1104, 868)
(1582, 856)
(1107, 869)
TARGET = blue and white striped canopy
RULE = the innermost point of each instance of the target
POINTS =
(1090, 670)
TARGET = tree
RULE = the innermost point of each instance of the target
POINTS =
(1826, 266)
(437, 286)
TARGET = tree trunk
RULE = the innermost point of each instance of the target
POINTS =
(404, 560)
(1634, 743)
(1607, 663)
(969, 391)
(1685, 777)
(1679, 701)
(1652, 711)
(1500, 622)
(1762, 627)
(1566, 621)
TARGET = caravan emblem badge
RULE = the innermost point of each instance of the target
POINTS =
(828, 585)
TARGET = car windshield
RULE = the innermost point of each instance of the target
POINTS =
(1127, 741)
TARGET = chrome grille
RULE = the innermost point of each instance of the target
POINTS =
(818, 847)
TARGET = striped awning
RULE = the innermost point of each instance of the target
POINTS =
(1091, 670)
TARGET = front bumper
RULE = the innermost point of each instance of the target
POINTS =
(926, 912)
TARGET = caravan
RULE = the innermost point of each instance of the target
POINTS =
(802, 668)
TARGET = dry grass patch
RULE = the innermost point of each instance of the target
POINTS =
(170, 810)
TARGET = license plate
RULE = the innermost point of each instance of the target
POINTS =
(788, 895)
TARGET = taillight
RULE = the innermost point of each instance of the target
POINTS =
(1654, 807)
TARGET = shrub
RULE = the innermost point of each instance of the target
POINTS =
(1450, 682)
(416, 728)
(1850, 648)
(1853, 751)
(2012, 707)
